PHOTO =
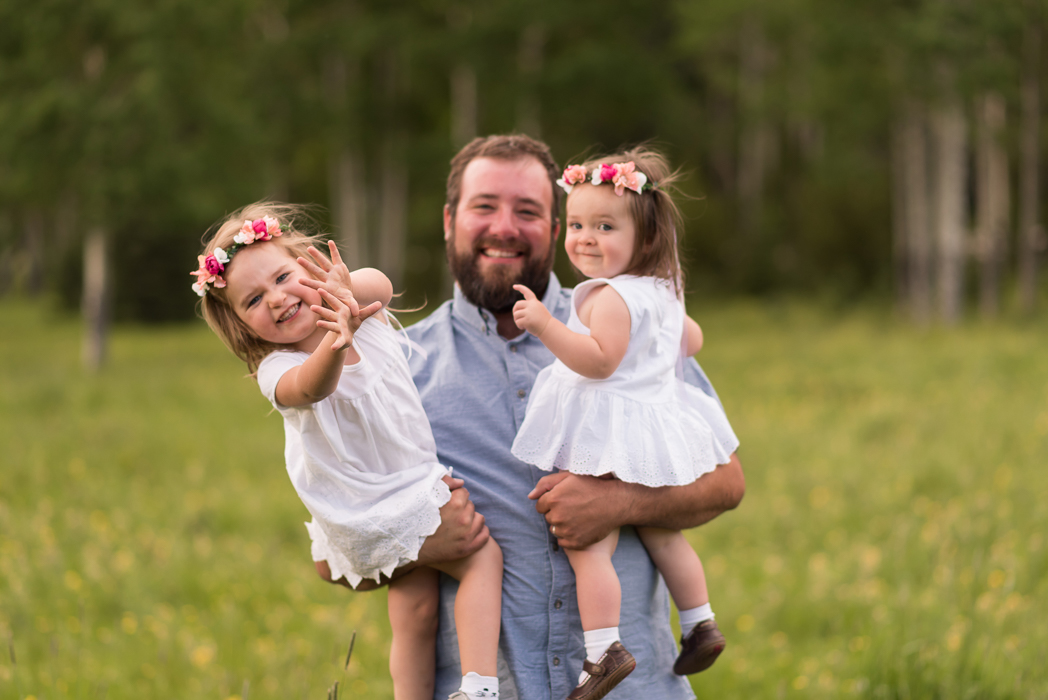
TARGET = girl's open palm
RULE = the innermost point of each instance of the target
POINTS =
(331, 275)
(340, 318)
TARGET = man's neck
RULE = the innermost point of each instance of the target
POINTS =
(506, 326)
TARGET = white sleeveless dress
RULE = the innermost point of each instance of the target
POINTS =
(643, 424)
(363, 460)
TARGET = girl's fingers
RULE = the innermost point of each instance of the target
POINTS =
(336, 257)
(321, 259)
(369, 310)
(312, 269)
(528, 294)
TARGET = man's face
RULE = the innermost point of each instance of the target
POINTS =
(501, 233)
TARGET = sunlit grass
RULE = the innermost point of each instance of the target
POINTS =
(891, 543)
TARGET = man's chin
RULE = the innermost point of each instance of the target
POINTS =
(489, 285)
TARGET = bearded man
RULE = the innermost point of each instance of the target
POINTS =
(501, 224)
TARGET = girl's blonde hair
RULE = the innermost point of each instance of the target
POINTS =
(656, 217)
(214, 305)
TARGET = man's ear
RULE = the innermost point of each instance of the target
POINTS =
(447, 222)
(555, 230)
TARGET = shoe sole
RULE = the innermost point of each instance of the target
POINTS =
(703, 659)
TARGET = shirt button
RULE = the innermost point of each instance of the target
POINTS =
(521, 393)
(512, 348)
(558, 603)
(556, 661)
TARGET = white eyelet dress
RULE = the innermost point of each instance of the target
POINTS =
(363, 460)
(642, 424)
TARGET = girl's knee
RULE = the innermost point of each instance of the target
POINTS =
(323, 570)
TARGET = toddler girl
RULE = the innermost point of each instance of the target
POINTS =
(359, 449)
(613, 403)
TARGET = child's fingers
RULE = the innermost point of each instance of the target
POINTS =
(313, 269)
(336, 257)
(322, 260)
(369, 310)
(528, 294)
(335, 302)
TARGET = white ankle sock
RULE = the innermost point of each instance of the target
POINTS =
(690, 618)
(474, 684)
(597, 642)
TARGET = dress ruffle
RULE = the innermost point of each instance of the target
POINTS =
(375, 542)
(587, 431)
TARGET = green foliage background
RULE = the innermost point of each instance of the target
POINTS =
(891, 543)
(156, 119)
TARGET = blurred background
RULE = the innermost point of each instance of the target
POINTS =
(863, 240)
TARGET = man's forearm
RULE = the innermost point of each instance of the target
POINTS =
(684, 507)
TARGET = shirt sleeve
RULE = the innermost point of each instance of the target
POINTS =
(272, 368)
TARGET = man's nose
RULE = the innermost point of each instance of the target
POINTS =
(503, 223)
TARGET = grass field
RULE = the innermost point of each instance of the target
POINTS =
(891, 543)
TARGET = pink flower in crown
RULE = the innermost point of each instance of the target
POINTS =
(213, 266)
(207, 273)
(573, 175)
(627, 177)
(247, 233)
(607, 172)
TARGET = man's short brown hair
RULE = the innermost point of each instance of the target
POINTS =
(503, 147)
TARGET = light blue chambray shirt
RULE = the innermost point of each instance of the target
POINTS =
(474, 386)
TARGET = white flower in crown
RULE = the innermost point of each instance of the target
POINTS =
(573, 175)
(221, 255)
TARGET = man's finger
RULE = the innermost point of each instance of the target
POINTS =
(528, 294)
(546, 484)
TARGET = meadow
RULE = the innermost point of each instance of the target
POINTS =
(891, 543)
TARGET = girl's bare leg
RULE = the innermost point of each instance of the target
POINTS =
(600, 595)
(478, 608)
(679, 565)
(413, 608)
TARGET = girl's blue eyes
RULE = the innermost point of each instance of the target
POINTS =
(255, 299)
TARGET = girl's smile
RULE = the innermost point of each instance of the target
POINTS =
(600, 234)
(262, 285)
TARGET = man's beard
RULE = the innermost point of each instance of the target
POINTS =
(495, 292)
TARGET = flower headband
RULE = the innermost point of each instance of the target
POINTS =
(212, 265)
(623, 175)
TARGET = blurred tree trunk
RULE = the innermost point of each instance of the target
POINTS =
(33, 243)
(529, 63)
(463, 104)
(992, 195)
(1031, 237)
(756, 138)
(911, 210)
(393, 175)
(94, 302)
(948, 125)
(345, 178)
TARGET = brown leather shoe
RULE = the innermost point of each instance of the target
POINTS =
(613, 665)
(699, 649)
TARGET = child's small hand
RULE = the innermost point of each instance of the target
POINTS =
(331, 274)
(529, 313)
(341, 318)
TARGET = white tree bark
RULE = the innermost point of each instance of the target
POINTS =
(992, 199)
(757, 142)
(94, 306)
(1031, 237)
(529, 63)
(463, 104)
(911, 192)
(948, 125)
(346, 188)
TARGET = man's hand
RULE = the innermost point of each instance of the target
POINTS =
(461, 532)
(529, 313)
(581, 509)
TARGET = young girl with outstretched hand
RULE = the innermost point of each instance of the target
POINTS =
(613, 403)
(359, 449)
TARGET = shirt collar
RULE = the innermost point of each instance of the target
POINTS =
(483, 320)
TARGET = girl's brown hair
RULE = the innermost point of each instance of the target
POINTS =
(656, 217)
(214, 305)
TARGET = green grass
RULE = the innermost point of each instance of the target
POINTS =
(891, 543)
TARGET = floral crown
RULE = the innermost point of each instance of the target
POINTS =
(214, 264)
(624, 176)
